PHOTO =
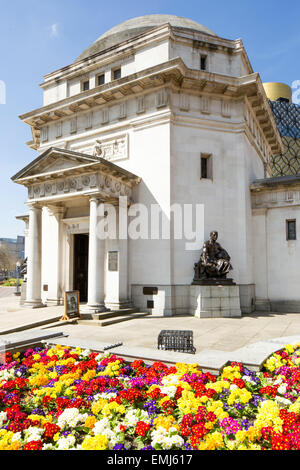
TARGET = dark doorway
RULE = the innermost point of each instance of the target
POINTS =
(81, 261)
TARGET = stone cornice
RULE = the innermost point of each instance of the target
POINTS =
(270, 193)
(175, 74)
(275, 183)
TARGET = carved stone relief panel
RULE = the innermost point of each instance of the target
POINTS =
(112, 149)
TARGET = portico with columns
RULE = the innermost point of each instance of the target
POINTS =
(71, 198)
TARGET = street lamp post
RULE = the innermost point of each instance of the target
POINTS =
(17, 292)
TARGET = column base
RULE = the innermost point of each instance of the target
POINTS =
(34, 304)
(54, 302)
(93, 308)
(118, 305)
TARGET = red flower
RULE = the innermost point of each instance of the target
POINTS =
(239, 382)
(46, 400)
(33, 445)
(142, 428)
(50, 430)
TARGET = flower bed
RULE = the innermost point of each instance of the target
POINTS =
(62, 398)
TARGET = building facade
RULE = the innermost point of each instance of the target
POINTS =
(15, 246)
(161, 112)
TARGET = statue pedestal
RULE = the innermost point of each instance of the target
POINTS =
(214, 281)
(215, 300)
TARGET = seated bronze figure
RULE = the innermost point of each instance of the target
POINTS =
(214, 262)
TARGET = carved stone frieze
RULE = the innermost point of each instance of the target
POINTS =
(81, 183)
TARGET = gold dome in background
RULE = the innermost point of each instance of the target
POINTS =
(275, 90)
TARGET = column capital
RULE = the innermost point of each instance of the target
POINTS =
(55, 209)
(97, 199)
(34, 205)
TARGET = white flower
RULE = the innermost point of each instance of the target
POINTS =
(3, 417)
(171, 379)
(107, 396)
(100, 426)
(33, 433)
(99, 357)
(283, 401)
(69, 417)
(85, 353)
(47, 447)
(7, 374)
(16, 437)
(282, 389)
(169, 390)
(65, 443)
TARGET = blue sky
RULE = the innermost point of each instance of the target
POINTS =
(40, 36)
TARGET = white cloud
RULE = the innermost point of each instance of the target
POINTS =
(54, 30)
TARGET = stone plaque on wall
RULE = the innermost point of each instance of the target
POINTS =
(113, 258)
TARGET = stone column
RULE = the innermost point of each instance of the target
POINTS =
(34, 279)
(96, 259)
(117, 263)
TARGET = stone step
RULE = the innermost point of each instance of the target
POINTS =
(113, 319)
(59, 323)
(114, 313)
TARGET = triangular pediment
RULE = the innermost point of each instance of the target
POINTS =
(54, 160)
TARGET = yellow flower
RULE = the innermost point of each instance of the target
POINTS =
(241, 435)
(121, 409)
(268, 415)
(164, 421)
(90, 422)
(253, 433)
(209, 425)
(97, 407)
(98, 442)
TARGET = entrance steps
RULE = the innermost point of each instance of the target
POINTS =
(111, 317)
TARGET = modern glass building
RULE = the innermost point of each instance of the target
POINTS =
(287, 118)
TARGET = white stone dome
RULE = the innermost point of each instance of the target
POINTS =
(135, 26)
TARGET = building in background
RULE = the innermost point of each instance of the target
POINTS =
(287, 118)
(12, 252)
(15, 246)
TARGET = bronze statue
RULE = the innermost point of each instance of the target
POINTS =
(214, 263)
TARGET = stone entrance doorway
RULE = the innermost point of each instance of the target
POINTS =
(81, 260)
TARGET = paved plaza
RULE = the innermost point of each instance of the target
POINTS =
(224, 334)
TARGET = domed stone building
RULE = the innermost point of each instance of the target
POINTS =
(159, 112)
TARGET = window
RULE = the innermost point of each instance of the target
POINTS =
(203, 62)
(85, 85)
(291, 229)
(206, 166)
(116, 74)
(101, 79)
